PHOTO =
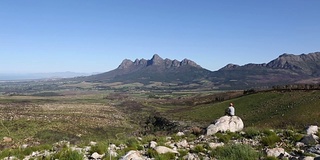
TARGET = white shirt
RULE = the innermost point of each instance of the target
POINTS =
(231, 110)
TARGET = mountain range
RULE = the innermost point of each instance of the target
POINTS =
(286, 69)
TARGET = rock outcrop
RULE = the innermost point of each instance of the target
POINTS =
(225, 123)
(156, 60)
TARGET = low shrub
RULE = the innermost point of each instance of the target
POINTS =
(177, 138)
(225, 138)
(268, 132)
(293, 136)
(198, 149)
(235, 152)
(196, 131)
(68, 154)
(99, 148)
(191, 137)
(132, 144)
(270, 140)
(251, 132)
(153, 154)
(166, 156)
(183, 153)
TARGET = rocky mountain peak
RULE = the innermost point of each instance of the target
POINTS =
(126, 63)
(156, 60)
(302, 62)
(189, 62)
(230, 66)
(140, 62)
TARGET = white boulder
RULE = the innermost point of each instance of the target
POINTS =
(312, 130)
(226, 123)
(191, 156)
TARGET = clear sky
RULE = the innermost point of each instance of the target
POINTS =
(96, 35)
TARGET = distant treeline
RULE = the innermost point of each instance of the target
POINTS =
(287, 87)
(297, 87)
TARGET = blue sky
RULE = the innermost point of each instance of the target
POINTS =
(96, 35)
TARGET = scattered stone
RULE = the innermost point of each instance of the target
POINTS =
(133, 155)
(92, 143)
(113, 153)
(315, 149)
(163, 150)
(300, 144)
(6, 139)
(77, 149)
(24, 146)
(275, 152)
(122, 146)
(180, 134)
(153, 144)
(215, 145)
(191, 156)
(182, 144)
(33, 154)
(10, 158)
(62, 144)
(225, 123)
(112, 147)
(308, 158)
(96, 155)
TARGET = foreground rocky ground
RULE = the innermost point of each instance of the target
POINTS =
(190, 144)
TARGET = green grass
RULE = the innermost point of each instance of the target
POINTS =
(251, 132)
(270, 140)
(235, 152)
(153, 154)
(262, 110)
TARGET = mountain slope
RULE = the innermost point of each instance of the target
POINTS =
(308, 64)
(155, 69)
(285, 69)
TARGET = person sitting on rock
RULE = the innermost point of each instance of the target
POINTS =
(230, 110)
